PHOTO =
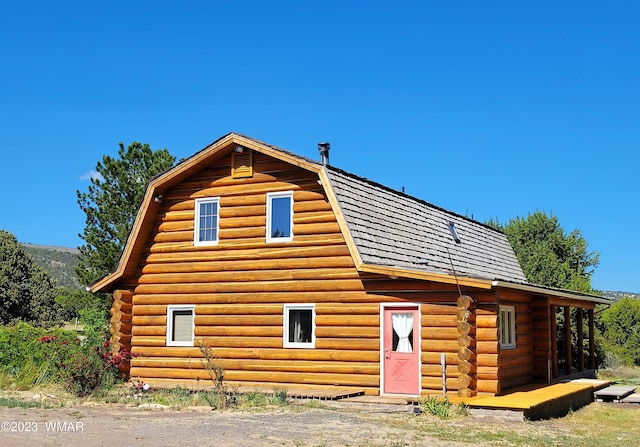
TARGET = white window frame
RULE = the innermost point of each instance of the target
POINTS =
(196, 223)
(170, 311)
(508, 328)
(285, 326)
(270, 197)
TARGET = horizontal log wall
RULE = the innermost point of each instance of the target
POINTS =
(487, 343)
(541, 334)
(439, 336)
(239, 287)
(516, 364)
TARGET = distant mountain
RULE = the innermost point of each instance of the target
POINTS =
(60, 262)
(616, 295)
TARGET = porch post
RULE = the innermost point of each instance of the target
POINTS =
(592, 341)
(554, 341)
(579, 315)
(567, 340)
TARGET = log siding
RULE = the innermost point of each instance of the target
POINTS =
(238, 287)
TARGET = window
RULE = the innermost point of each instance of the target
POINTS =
(180, 325)
(280, 216)
(206, 221)
(402, 337)
(299, 326)
(507, 327)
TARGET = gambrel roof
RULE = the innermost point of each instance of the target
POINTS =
(387, 232)
(393, 229)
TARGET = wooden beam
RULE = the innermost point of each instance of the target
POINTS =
(426, 276)
(554, 341)
(592, 341)
(567, 340)
(569, 302)
(580, 322)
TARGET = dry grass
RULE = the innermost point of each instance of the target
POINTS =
(621, 374)
(605, 424)
(598, 424)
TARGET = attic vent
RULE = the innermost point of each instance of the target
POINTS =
(241, 162)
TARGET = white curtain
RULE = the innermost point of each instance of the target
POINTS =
(296, 323)
(402, 325)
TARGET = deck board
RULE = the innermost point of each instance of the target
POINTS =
(335, 393)
(539, 401)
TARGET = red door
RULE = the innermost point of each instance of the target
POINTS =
(401, 351)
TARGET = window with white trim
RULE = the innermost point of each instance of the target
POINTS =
(180, 325)
(507, 327)
(206, 222)
(299, 329)
(280, 216)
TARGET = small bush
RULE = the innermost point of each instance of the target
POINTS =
(28, 354)
(442, 408)
(12, 402)
(280, 396)
(211, 399)
(31, 356)
(253, 399)
(88, 368)
(215, 369)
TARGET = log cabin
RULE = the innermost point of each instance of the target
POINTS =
(299, 274)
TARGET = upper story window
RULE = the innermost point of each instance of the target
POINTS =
(507, 327)
(299, 326)
(206, 221)
(280, 216)
(180, 324)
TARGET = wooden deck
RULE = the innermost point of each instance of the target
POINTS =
(533, 401)
(335, 393)
(536, 401)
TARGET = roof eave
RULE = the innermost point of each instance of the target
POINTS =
(566, 294)
(402, 272)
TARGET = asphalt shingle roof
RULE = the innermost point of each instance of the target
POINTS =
(393, 229)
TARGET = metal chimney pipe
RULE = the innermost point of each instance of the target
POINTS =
(324, 152)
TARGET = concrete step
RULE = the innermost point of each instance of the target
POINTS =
(613, 393)
(632, 399)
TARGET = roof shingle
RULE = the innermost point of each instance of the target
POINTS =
(393, 229)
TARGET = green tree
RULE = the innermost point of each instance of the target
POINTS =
(27, 292)
(548, 255)
(620, 329)
(111, 204)
(72, 302)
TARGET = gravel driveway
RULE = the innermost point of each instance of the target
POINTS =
(104, 425)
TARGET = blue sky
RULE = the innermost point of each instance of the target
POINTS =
(490, 109)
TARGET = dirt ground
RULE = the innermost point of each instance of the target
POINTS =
(93, 425)
(81, 426)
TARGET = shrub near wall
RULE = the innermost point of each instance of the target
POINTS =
(31, 356)
(25, 359)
